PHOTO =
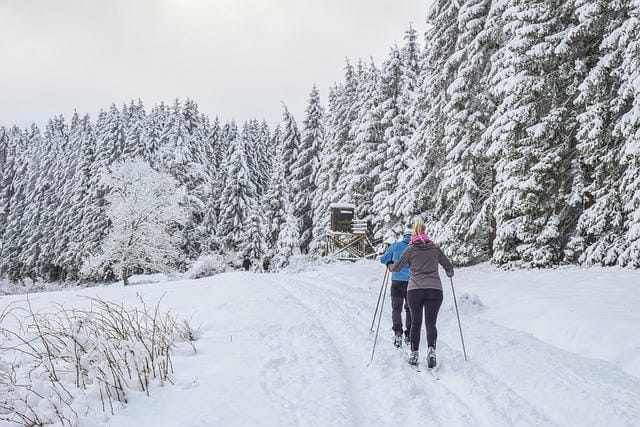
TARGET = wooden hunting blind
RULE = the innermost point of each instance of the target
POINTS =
(342, 216)
(347, 237)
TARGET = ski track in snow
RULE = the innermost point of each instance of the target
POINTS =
(475, 398)
(512, 378)
(372, 408)
(596, 391)
(281, 374)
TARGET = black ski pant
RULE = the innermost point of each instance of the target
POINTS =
(430, 301)
(398, 302)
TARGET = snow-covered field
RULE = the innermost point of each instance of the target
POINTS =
(547, 347)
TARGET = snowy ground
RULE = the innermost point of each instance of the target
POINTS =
(550, 347)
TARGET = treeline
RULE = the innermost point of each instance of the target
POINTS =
(513, 131)
(52, 204)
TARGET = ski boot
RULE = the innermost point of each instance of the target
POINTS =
(397, 341)
(431, 357)
(413, 358)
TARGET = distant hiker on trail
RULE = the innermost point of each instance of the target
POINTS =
(425, 289)
(399, 282)
(246, 263)
(266, 262)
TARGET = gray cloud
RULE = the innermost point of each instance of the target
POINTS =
(236, 58)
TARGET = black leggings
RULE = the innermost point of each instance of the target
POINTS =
(428, 300)
(398, 302)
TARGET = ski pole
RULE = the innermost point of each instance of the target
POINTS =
(379, 318)
(386, 271)
(458, 316)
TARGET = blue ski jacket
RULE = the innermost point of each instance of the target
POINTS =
(393, 254)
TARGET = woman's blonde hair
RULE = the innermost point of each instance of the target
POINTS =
(418, 228)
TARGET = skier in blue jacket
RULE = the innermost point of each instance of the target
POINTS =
(399, 282)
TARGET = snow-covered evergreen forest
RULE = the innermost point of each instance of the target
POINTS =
(512, 128)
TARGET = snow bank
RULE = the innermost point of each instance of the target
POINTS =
(544, 347)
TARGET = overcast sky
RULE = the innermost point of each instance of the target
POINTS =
(236, 58)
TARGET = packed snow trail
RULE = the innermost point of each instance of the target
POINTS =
(515, 378)
(292, 350)
(449, 404)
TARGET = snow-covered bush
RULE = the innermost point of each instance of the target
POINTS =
(287, 244)
(468, 303)
(31, 286)
(206, 265)
(301, 263)
(57, 365)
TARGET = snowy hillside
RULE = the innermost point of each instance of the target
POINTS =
(553, 347)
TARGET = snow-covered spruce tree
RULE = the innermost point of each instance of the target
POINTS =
(258, 167)
(7, 157)
(288, 240)
(390, 152)
(211, 134)
(419, 179)
(290, 140)
(530, 139)
(305, 168)
(183, 157)
(203, 138)
(64, 165)
(596, 169)
(335, 153)
(19, 195)
(37, 247)
(146, 214)
(153, 130)
(5, 161)
(253, 241)
(489, 42)
(221, 152)
(410, 54)
(406, 122)
(13, 201)
(268, 149)
(135, 144)
(628, 126)
(110, 132)
(95, 159)
(250, 140)
(67, 209)
(464, 181)
(323, 181)
(275, 202)
(237, 198)
(349, 106)
(88, 206)
(228, 134)
(4, 139)
(339, 145)
(256, 139)
(290, 153)
(362, 170)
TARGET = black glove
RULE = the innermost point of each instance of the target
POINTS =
(389, 263)
(450, 273)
